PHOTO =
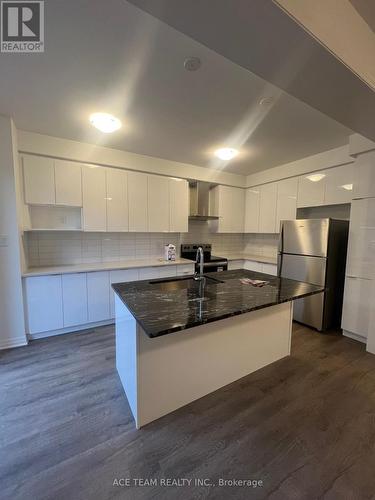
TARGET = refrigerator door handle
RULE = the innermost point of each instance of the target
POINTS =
(281, 251)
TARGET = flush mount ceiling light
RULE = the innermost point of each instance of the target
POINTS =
(315, 177)
(192, 63)
(226, 153)
(348, 187)
(266, 101)
(105, 122)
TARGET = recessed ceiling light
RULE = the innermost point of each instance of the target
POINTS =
(315, 177)
(348, 187)
(192, 63)
(266, 101)
(226, 153)
(104, 122)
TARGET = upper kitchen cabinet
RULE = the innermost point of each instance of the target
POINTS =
(311, 190)
(286, 201)
(252, 198)
(229, 205)
(138, 202)
(158, 204)
(39, 180)
(68, 183)
(94, 198)
(267, 208)
(364, 185)
(339, 183)
(178, 206)
(117, 200)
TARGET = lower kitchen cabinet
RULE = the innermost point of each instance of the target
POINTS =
(269, 269)
(357, 306)
(185, 269)
(43, 299)
(235, 264)
(251, 265)
(74, 299)
(98, 296)
(120, 276)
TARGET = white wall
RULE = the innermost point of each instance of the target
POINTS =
(39, 144)
(12, 325)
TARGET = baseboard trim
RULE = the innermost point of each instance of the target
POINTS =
(10, 343)
(73, 329)
(354, 336)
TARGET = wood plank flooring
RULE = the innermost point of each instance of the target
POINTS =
(304, 426)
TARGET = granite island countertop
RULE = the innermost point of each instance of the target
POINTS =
(171, 304)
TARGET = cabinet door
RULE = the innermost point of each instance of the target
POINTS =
(167, 271)
(237, 220)
(364, 184)
(267, 208)
(98, 296)
(251, 265)
(158, 204)
(179, 205)
(68, 180)
(117, 200)
(286, 201)
(225, 209)
(269, 269)
(361, 246)
(357, 306)
(311, 189)
(252, 210)
(44, 303)
(339, 185)
(94, 198)
(149, 273)
(137, 193)
(39, 180)
(185, 269)
(74, 293)
(120, 276)
(235, 264)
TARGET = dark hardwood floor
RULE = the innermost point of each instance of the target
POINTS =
(304, 426)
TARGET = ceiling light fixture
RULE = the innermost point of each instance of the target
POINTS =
(266, 101)
(105, 122)
(315, 177)
(192, 63)
(348, 187)
(226, 153)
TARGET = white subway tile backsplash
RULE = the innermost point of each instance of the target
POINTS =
(58, 248)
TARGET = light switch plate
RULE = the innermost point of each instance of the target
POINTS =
(3, 240)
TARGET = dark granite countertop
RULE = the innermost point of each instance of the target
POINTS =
(164, 306)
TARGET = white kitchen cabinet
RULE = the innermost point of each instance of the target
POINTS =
(167, 271)
(120, 276)
(178, 205)
(229, 205)
(251, 265)
(185, 269)
(98, 296)
(74, 299)
(269, 269)
(361, 245)
(235, 264)
(43, 297)
(267, 208)
(311, 190)
(117, 200)
(364, 168)
(138, 202)
(94, 198)
(357, 306)
(158, 204)
(149, 273)
(286, 201)
(252, 210)
(39, 180)
(339, 183)
(68, 183)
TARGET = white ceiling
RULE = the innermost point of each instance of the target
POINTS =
(110, 56)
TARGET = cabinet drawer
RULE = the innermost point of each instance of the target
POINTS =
(185, 269)
(235, 264)
(251, 265)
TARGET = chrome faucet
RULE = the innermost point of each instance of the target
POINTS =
(199, 259)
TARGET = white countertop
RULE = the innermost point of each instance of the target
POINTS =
(102, 266)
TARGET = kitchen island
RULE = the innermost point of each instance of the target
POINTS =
(180, 339)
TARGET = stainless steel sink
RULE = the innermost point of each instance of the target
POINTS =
(172, 284)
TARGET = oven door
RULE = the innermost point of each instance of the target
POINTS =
(213, 267)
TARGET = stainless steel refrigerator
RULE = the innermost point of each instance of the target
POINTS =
(314, 251)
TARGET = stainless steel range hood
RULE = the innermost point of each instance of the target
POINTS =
(200, 201)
